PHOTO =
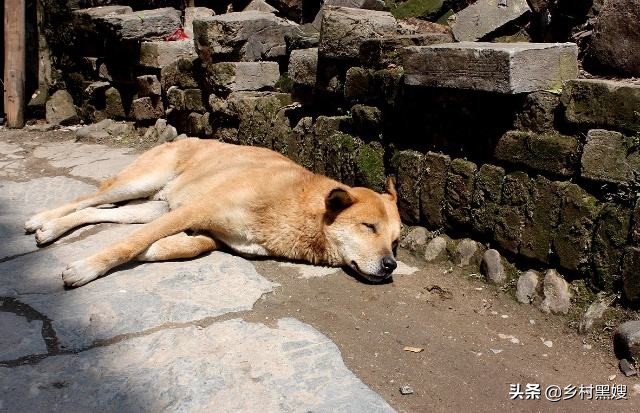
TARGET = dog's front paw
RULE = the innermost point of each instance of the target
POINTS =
(35, 222)
(46, 233)
(79, 273)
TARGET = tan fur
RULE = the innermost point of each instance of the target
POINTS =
(254, 200)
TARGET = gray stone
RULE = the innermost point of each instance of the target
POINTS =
(245, 36)
(551, 153)
(190, 15)
(144, 24)
(26, 199)
(626, 341)
(160, 132)
(616, 39)
(484, 17)
(95, 89)
(527, 287)
(466, 253)
(493, 67)
(432, 195)
(353, 4)
(303, 67)
(631, 273)
(345, 29)
(436, 250)
(107, 129)
(89, 19)
(175, 98)
(198, 124)
(367, 121)
(379, 53)
(193, 369)
(610, 157)
(602, 103)
(148, 85)
(627, 368)
(179, 73)
(147, 108)
(114, 108)
(60, 109)
(20, 337)
(242, 76)
(594, 312)
(260, 5)
(538, 112)
(416, 239)
(158, 54)
(459, 192)
(95, 162)
(492, 267)
(193, 100)
(557, 297)
(409, 170)
(358, 86)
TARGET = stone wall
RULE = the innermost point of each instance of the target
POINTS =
(510, 143)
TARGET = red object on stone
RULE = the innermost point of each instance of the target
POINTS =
(179, 34)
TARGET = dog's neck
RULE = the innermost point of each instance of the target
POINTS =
(305, 237)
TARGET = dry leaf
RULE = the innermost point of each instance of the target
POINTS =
(413, 349)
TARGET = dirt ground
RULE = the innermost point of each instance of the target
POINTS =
(476, 340)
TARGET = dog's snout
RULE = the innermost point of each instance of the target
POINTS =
(389, 264)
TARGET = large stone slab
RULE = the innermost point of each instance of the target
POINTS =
(354, 4)
(291, 367)
(20, 200)
(132, 298)
(60, 109)
(345, 29)
(379, 53)
(89, 19)
(84, 160)
(20, 337)
(602, 103)
(246, 36)
(493, 67)
(236, 76)
(485, 16)
(143, 25)
(158, 54)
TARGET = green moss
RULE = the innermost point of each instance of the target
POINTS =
(284, 84)
(370, 166)
(416, 8)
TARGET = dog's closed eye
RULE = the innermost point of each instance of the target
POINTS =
(371, 227)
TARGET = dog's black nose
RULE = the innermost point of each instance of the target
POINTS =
(389, 264)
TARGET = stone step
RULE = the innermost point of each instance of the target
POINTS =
(493, 67)
(603, 103)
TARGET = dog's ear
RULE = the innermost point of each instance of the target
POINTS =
(338, 200)
(391, 188)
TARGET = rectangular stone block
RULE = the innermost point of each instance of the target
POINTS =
(369, 164)
(409, 172)
(630, 274)
(542, 220)
(345, 29)
(147, 109)
(513, 211)
(237, 76)
(158, 54)
(143, 25)
(602, 103)
(551, 153)
(487, 196)
(432, 195)
(493, 67)
(609, 241)
(610, 157)
(459, 193)
(181, 73)
(89, 19)
(246, 36)
(148, 85)
(303, 67)
(485, 16)
(572, 241)
(324, 128)
(380, 53)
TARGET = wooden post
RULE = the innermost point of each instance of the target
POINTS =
(14, 62)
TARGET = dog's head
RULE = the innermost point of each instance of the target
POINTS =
(364, 226)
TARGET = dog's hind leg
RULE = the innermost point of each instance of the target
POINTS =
(135, 213)
(143, 178)
(178, 246)
(81, 272)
